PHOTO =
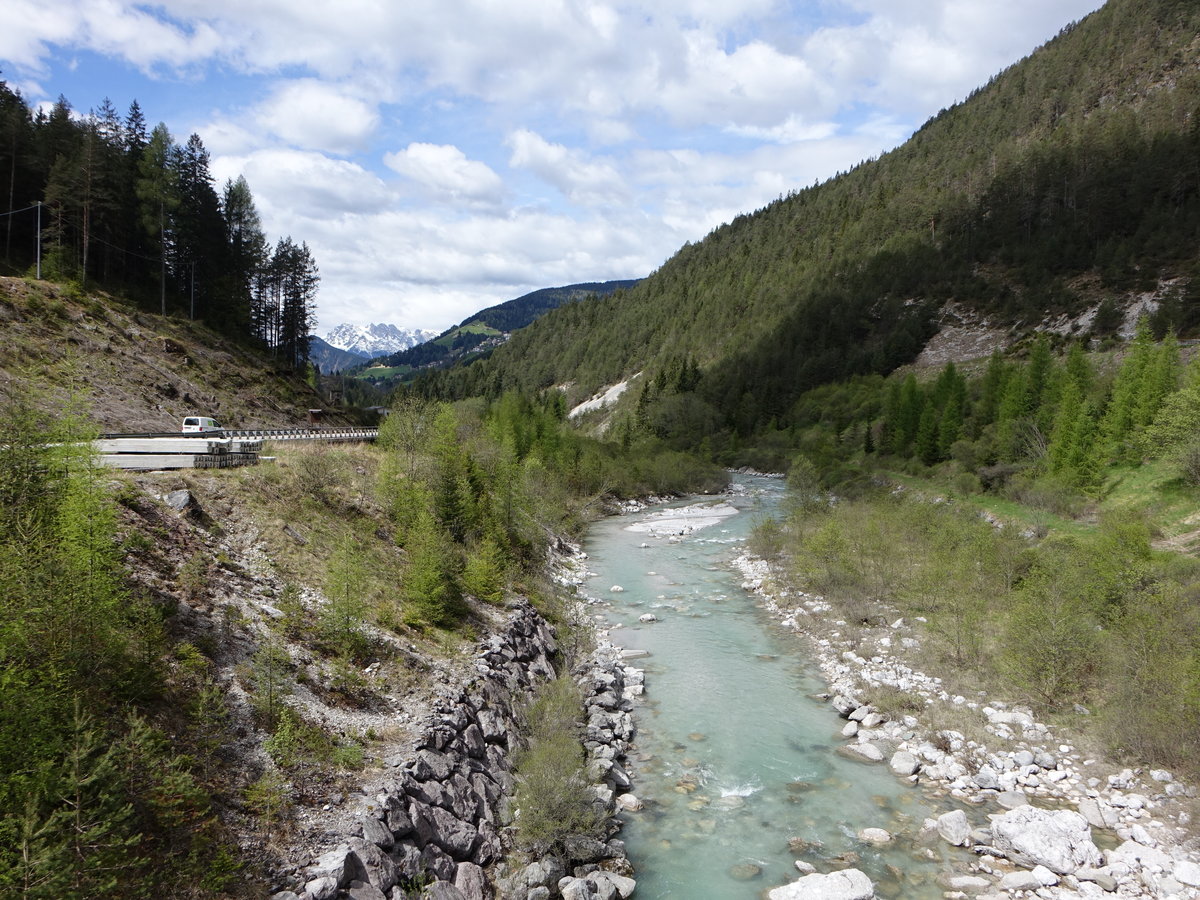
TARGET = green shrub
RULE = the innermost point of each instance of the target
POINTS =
(553, 799)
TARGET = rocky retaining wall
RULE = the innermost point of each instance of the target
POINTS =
(438, 825)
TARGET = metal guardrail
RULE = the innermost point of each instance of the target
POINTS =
(295, 434)
(210, 449)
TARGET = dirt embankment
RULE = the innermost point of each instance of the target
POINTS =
(127, 370)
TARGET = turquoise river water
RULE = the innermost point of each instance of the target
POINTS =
(735, 760)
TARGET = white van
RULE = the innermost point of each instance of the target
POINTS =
(200, 424)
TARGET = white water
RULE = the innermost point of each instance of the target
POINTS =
(735, 760)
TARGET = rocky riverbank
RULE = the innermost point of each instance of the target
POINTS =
(437, 823)
(1049, 807)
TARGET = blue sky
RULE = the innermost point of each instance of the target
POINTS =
(440, 156)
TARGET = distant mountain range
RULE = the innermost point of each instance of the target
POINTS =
(348, 345)
(486, 330)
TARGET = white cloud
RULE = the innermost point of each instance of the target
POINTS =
(580, 179)
(312, 115)
(447, 175)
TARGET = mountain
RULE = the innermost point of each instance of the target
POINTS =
(370, 341)
(487, 329)
(330, 359)
(1070, 180)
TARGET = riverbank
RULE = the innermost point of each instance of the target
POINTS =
(1000, 759)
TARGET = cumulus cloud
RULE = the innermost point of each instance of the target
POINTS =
(312, 115)
(582, 180)
(446, 174)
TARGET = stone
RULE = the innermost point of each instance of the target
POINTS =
(986, 780)
(376, 832)
(342, 865)
(1095, 876)
(541, 892)
(971, 883)
(1012, 799)
(848, 884)
(1098, 813)
(546, 871)
(1060, 840)
(364, 890)
(584, 849)
(624, 886)
(285, 895)
(904, 763)
(378, 868)
(745, 871)
(574, 889)
(628, 803)
(954, 828)
(877, 836)
(471, 882)
(323, 888)
(1021, 880)
(1138, 856)
(864, 752)
(441, 890)
(1186, 872)
(179, 500)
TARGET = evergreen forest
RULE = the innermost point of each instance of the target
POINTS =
(103, 202)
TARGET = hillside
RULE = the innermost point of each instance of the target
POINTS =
(484, 330)
(132, 371)
(1069, 179)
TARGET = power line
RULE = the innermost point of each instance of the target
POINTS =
(13, 212)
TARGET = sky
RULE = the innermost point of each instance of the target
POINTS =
(441, 156)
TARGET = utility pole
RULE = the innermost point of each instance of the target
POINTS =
(37, 239)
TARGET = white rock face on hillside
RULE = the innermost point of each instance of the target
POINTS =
(607, 397)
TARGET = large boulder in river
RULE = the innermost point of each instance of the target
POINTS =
(1060, 839)
(849, 884)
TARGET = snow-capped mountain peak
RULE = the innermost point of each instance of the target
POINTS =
(369, 341)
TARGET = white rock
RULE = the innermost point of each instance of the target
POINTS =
(1045, 877)
(1060, 840)
(868, 752)
(648, 617)
(876, 836)
(616, 589)
(1020, 880)
(904, 763)
(954, 828)
(971, 883)
(1186, 871)
(849, 884)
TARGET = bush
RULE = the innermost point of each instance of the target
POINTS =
(553, 800)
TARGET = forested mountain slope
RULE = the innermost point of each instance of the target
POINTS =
(1072, 176)
(485, 328)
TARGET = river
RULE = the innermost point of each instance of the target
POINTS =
(736, 760)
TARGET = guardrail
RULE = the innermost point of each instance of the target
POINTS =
(209, 449)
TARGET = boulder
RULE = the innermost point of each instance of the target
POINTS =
(441, 890)
(1012, 799)
(471, 882)
(624, 886)
(954, 828)
(1187, 872)
(1098, 813)
(1021, 880)
(364, 890)
(849, 884)
(864, 752)
(875, 836)
(904, 763)
(1060, 840)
